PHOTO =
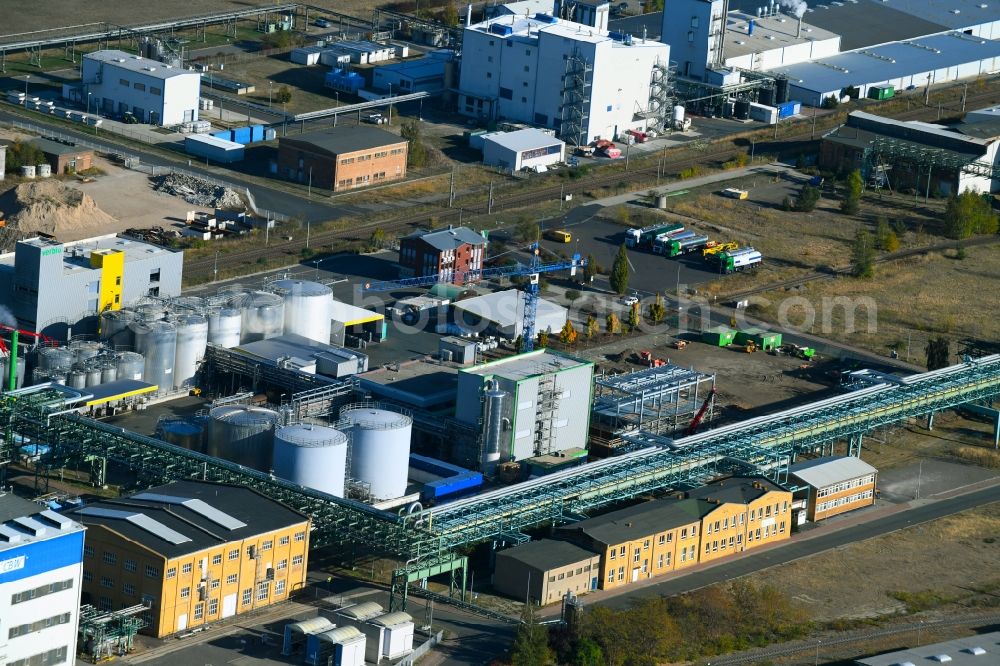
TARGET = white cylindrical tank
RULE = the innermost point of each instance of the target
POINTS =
(43, 170)
(150, 312)
(243, 435)
(84, 350)
(76, 379)
(380, 448)
(678, 114)
(188, 305)
(224, 324)
(131, 366)
(263, 316)
(55, 358)
(4, 365)
(192, 337)
(93, 376)
(182, 433)
(313, 456)
(157, 342)
(28, 171)
(115, 329)
(494, 401)
(109, 370)
(307, 308)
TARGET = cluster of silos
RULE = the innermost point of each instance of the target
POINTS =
(307, 308)
(84, 363)
(380, 448)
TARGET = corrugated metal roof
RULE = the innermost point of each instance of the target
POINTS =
(363, 610)
(546, 554)
(823, 472)
(449, 239)
(392, 619)
(525, 139)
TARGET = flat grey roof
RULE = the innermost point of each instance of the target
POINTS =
(981, 650)
(952, 14)
(23, 522)
(337, 140)
(76, 254)
(735, 489)
(50, 147)
(829, 470)
(524, 139)
(888, 62)
(12, 506)
(527, 365)
(138, 64)
(546, 554)
(506, 308)
(771, 32)
(420, 383)
(641, 520)
(867, 23)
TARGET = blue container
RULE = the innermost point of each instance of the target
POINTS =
(224, 134)
(450, 487)
(242, 135)
(256, 133)
(789, 109)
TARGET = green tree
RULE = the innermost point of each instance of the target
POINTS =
(377, 239)
(620, 271)
(542, 340)
(891, 242)
(807, 199)
(882, 231)
(590, 270)
(613, 324)
(527, 230)
(938, 352)
(568, 334)
(633, 317)
(592, 326)
(519, 344)
(283, 96)
(851, 203)
(968, 214)
(21, 154)
(416, 154)
(572, 295)
(587, 652)
(863, 255)
(531, 643)
(899, 226)
(831, 102)
(450, 15)
(657, 310)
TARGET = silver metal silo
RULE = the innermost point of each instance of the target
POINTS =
(157, 342)
(243, 435)
(114, 328)
(263, 316)
(131, 365)
(55, 358)
(224, 325)
(307, 308)
(188, 305)
(494, 401)
(311, 455)
(192, 337)
(109, 369)
(150, 312)
(93, 373)
(84, 350)
(380, 447)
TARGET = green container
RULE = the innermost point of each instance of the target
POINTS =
(765, 340)
(881, 92)
(718, 336)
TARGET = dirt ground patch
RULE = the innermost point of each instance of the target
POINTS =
(942, 559)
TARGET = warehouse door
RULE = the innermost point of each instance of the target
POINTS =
(229, 605)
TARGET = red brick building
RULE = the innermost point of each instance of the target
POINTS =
(445, 253)
(342, 158)
(65, 157)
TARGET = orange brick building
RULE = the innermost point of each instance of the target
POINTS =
(836, 484)
(342, 158)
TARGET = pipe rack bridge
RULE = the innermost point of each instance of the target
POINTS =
(427, 539)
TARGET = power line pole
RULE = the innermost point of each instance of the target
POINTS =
(451, 193)
(489, 204)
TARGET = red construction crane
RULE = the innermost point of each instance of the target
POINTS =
(693, 428)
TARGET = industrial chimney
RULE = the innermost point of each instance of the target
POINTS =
(798, 30)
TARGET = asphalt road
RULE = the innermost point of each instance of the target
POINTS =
(793, 550)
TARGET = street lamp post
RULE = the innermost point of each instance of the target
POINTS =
(88, 101)
(26, 77)
(390, 103)
(269, 86)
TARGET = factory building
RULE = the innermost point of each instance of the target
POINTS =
(643, 541)
(963, 162)
(427, 74)
(195, 552)
(115, 82)
(704, 37)
(448, 253)
(342, 158)
(41, 555)
(583, 82)
(529, 149)
(501, 313)
(835, 485)
(545, 571)
(64, 157)
(591, 13)
(532, 404)
(904, 65)
(976, 650)
(51, 286)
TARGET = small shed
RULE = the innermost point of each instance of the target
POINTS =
(306, 55)
(456, 349)
(524, 149)
(718, 336)
(397, 634)
(766, 340)
(213, 148)
(342, 646)
(297, 633)
(65, 157)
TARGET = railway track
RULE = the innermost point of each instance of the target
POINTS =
(204, 267)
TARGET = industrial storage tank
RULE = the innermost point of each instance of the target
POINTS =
(224, 325)
(192, 337)
(311, 455)
(109, 369)
(182, 433)
(157, 342)
(188, 304)
(494, 401)
(93, 375)
(84, 350)
(55, 358)
(131, 365)
(307, 308)
(150, 312)
(243, 435)
(678, 114)
(263, 316)
(741, 109)
(380, 448)
(781, 90)
(115, 330)
(76, 379)
(5, 366)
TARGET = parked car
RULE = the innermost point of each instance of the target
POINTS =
(375, 119)
(321, 23)
(630, 300)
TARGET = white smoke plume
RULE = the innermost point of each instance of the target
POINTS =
(796, 8)
(7, 317)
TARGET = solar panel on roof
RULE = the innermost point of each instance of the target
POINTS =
(196, 505)
(140, 520)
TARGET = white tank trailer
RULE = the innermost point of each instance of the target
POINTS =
(307, 308)
(313, 456)
(263, 316)
(243, 435)
(114, 328)
(380, 448)
(224, 324)
(192, 338)
(157, 342)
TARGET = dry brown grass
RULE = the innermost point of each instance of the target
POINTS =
(979, 456)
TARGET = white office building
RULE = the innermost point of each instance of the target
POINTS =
(116, 82)
(583, 82)
(41, 568)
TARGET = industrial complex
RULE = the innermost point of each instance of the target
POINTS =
(430, 404)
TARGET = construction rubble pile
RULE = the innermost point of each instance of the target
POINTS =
(198, 192)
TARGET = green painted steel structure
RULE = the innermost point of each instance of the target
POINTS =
(427, 539)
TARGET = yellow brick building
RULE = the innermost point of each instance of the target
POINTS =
(748, 512)
(195, 552)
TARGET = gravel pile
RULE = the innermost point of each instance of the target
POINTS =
(198, 192)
